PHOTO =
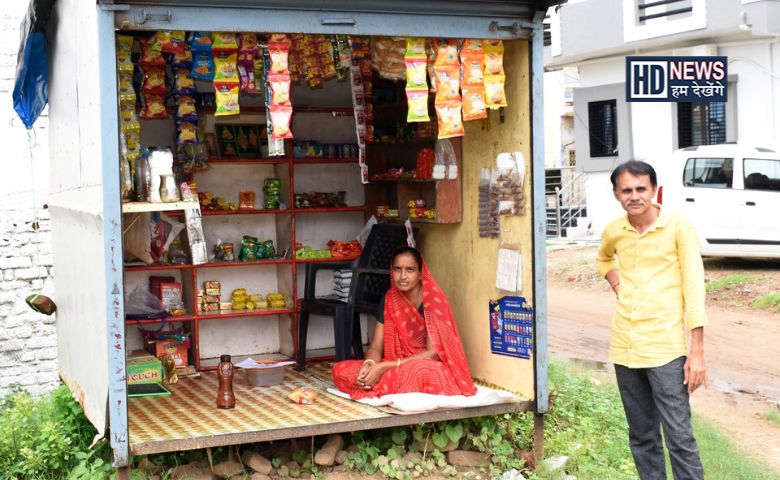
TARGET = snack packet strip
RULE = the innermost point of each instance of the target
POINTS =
(416, 80)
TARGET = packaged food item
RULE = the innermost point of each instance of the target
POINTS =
(171, 41)
(495, 96)
(472, 65)
(225, 67)
(448, 83)
(248, 43)
(416, 73)
(248, 250)
(153, 107)
(154, 80)
(187, 133)
(278, 53)
(246, 200)
(494, 57)
(280, 88)
(200, 42)
(281, 115)
(224, 41)
(446, 51)
(415, 48)
(151, 54)
(124, 51)
(183, 60)
(418, 105)
(387, 57)
(449, 117)
(183, 84)
(225, 305)
(303, 396)
(185, 108)
(227, 98)
(212, 284)
(272, 187)
(474, 102)
(202, 66)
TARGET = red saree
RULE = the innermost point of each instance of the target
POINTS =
(405, 334)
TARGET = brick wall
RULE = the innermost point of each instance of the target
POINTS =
(28, 341)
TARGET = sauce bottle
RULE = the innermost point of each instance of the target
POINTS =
(225, 397)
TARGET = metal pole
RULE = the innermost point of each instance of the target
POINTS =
(558, 212)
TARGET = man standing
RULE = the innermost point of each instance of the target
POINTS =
(651, 259)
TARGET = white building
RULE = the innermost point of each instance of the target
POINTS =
(595, 36)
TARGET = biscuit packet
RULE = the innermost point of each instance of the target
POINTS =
(449, 118)
(495, 96)
(416, 73)
(415, 48)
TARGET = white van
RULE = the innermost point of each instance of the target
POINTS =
(730, 192)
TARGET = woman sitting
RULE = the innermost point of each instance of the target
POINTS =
(416, 346)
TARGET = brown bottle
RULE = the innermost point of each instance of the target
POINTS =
(225, 396)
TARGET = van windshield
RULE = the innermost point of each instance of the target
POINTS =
(709, 172)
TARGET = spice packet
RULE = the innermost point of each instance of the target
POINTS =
(226, 98)
(449, 117)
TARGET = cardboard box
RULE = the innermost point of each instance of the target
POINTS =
(173, 348)
(143, 368)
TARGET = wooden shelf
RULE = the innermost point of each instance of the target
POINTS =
(407, 180)
(256, 211)
(315, 160)
(264, 312)
(146, 268)
(356, 208)
(181, 318)
(248, 160)
(326, 259)
(137, 207)
(278, 261)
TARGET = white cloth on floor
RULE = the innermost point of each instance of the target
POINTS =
(424, 402)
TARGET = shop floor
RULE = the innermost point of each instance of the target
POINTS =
(188, 417)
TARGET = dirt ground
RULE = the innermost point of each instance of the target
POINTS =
(741, 342)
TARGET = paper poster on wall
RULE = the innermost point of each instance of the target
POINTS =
(511, 327)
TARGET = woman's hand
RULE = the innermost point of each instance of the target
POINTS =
(370, 374)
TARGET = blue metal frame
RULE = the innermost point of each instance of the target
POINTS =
(539, 214)
(112, 231)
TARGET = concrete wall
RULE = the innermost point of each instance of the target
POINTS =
(28, 342)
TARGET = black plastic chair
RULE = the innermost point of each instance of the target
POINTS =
(370, 281)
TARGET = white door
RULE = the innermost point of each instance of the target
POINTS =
(760, 207)
(710, 202)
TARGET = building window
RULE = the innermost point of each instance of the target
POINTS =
(602, 126)
(701, 123)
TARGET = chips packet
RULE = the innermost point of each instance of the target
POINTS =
(153, 107)
(417, 101)
(171, 41)
(474, 102)
(151, 55)
(226, 98)
(278, 53)
(495, 95)
(183, 60)
(124, 51)
(446, 52)
(187, 132)
(200, 42)
(280, 88)
(448, 83)
(416, 73)
(224, 41)
(186, 109)
(281, 116)
(183, 83)
(202, 66)
(449, 117)
(494, 57)
(225, 67)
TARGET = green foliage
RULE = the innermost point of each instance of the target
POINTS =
(47, 438)
(728, 282)
(772, 416)
(769, 301)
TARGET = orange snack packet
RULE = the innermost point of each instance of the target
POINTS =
(449, 117)
(446, 52)
(473, 102)
(303, 396)
(448, 83)
(494, 57)
(472, 67)
(495, 96)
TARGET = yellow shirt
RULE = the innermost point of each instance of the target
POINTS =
(661, 285)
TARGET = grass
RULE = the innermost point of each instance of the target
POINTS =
(728, 282)
(772, 416)
(769, 301)
(586, 423)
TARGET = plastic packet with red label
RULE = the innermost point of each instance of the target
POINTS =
(171, 41)
(154, 80)
(153, 107)
(281, 117)
(280, 88)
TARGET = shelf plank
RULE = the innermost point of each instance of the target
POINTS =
(326, 259)
(181, 318)
(144, 268)
(355, 208)
(264, 312)
(245, 264)
(255, 211)
(315, 160)
(248, 160)
(405, 180)
(138, 207)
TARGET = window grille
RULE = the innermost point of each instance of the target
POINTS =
(701, 123)
(602, 126)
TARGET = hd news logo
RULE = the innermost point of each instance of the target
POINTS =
(676, 79)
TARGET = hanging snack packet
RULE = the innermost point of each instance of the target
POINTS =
(258, 68)
(126, 90)
(124, 51)
(448, 83)
(187, 133)
(224, 41)
(171, 41)
(185, 108)
(154, 80)
(132, 133)
(418, 106)
(278, 38)
(495, 96)
(281, 115)
(200, 42)
(248, 43)
(449, 116)
(202, 66)
(183, 84)
(183, 60)
(225, 67)
(246, 73)
(494, 57)
(153, 107)
(226, 98)
(473, 102)
(416, 73)
(415, 47)
(472, 65)
(446, 52)
(151, 56)
(280, 88)
(278, 53)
